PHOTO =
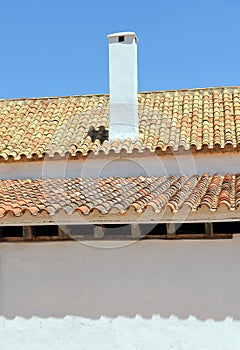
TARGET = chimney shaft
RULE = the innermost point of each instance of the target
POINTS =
(123, 84)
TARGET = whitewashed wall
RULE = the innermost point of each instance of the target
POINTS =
(146, 295)
(149, 165)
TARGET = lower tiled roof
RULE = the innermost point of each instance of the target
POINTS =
(119, 195)
(77, 125)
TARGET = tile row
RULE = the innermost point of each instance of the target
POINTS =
(79, 124)
(118, 194)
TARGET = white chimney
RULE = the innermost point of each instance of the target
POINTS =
(123, 85)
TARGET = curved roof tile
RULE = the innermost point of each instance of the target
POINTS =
(119, 194)
(74, 125)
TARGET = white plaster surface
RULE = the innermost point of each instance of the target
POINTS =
(77, 333)
(124, 166)
(123, 86)
(146, 295)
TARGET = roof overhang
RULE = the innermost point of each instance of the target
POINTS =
(148, 217)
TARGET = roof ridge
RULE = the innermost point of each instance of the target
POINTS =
(107, 94)
(48, 97)
(195, 89)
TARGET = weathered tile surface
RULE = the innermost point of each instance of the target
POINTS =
(79, 124)
(119, 194)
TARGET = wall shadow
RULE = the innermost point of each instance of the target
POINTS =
(182, 278)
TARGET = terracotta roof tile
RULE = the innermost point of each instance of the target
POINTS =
(119, 195)
(79, 124)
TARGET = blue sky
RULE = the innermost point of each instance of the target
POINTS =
(51, 48)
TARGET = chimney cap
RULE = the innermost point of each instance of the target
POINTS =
(114, 35)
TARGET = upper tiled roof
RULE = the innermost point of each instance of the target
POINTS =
(78, 124)
(119, 195)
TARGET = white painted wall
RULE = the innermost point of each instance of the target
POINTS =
(123, 86)
(187, 163)
(146, 295)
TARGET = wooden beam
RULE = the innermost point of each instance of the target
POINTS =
(171, 230)
(99, 231)
(209, 229)
(27, 232)
(136, 231)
